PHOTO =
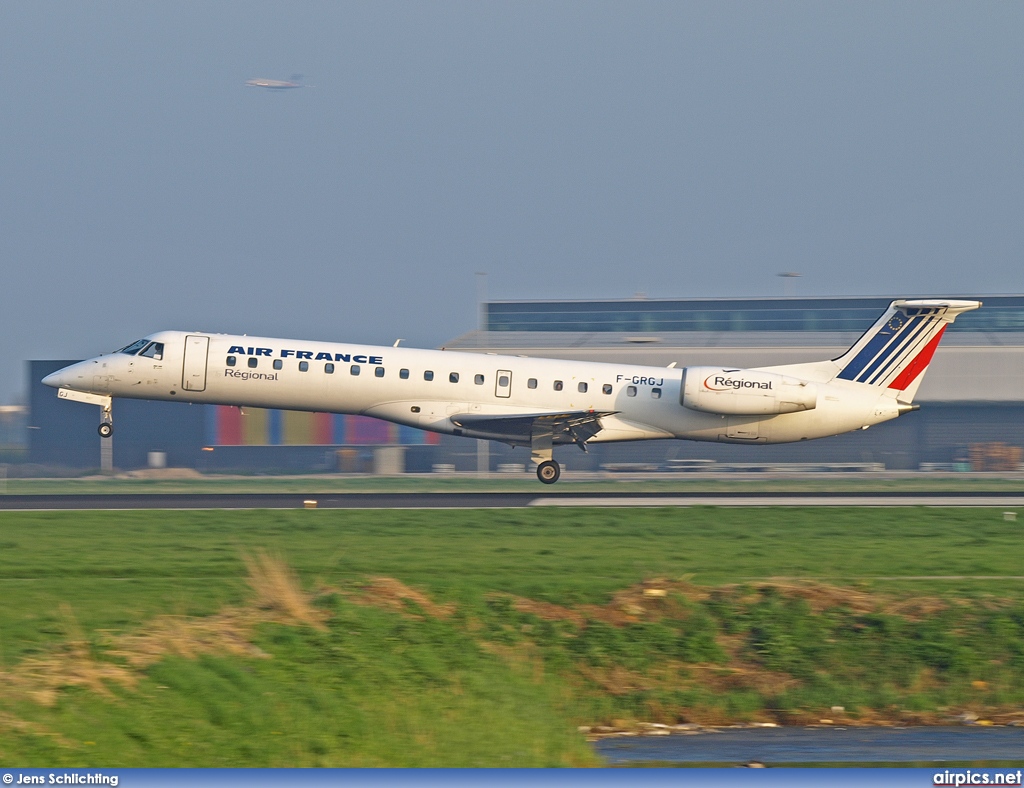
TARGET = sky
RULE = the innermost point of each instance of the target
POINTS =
(569, 150)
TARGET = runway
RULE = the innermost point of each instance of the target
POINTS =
(495, 500)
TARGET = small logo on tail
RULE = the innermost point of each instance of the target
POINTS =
(897, 343)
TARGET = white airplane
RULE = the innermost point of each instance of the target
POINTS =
(533, 402)
(277, 84)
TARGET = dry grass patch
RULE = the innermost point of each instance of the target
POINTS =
(647, 601)
(616, 679)
(740, 675)
(916, 609)
(278, 591)
(546, 611)
(394, 595)
(12, 724)
(72, 664)
(279, 599)
(818, 596)
(227, 632)
(821, 597)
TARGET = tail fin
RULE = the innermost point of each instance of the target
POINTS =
(895, 352)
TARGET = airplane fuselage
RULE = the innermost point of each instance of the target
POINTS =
(435, 390)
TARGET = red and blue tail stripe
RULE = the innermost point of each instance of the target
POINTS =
(918, 332)
(918, 365)
(895, 352)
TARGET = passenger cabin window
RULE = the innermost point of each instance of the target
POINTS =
(428, 375)
(403, 374)
(453, 377)
(558, 385)
(379, 372)
(134, 347)
(231, 361)
(630, 391)
(303, 366)
(531, 383)
(155, 351)
(607, 388)
(253, 361)
(329, 369)
(278, 363)
(479, 380)
(656, 393)
(582, 388)
(354, 369)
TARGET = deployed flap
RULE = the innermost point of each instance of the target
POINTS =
(572, 426)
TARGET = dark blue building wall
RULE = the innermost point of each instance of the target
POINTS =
(63, 433)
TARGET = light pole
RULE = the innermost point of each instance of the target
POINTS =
(481, 300)
(483, 448)
(787, 286)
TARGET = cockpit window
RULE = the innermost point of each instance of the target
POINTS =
(134, 347)
(154, 351)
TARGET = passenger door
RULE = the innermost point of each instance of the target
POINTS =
(193, 373)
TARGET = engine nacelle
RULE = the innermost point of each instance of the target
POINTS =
(745, 392)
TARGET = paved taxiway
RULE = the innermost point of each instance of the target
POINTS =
(497, 500)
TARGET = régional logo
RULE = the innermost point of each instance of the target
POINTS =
(723, 383)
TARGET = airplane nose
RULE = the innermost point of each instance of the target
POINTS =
(62, 377)
(54, 379)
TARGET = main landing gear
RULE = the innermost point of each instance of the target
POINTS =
(106, 429)
(540, 452)
(548, 472)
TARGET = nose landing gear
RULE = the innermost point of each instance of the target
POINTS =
(106, 428)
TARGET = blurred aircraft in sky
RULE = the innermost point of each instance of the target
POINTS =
(278, 84)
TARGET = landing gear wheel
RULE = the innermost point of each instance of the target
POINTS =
(105, 430)
(548, 472)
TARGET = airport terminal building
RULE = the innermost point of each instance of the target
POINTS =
(972, 395)
(973, 392)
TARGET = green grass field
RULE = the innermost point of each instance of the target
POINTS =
(485, 637)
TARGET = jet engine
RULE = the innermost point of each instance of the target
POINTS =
(745, 392)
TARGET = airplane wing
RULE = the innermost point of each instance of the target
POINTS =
(571, 426)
